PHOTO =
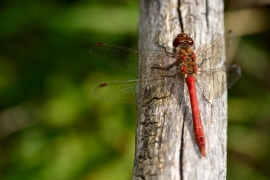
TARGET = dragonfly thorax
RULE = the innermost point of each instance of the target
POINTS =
(188, 66)
(185, 51)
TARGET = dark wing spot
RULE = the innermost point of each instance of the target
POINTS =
(102, 85)
(100, 44)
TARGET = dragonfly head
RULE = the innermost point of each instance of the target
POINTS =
(183, 40)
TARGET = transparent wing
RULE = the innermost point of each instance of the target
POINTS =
(156, 90)
(119, 57)
(120, 91)
(210, 54)
(212, 84)
(126, 59)
(233, 74)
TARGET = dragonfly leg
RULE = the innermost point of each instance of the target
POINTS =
(165, 68)
(169, 53)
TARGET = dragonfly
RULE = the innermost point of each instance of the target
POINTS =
(201, 70)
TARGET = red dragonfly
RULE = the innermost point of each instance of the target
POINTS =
(195, 67)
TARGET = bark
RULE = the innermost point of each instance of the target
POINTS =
(165, 143)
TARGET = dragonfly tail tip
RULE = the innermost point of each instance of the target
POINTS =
(203, 152)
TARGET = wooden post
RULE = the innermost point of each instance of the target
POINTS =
(165, 143)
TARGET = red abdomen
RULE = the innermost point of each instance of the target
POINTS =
(197, 123)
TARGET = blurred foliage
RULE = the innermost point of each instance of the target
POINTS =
(52, 128)
(50, 125)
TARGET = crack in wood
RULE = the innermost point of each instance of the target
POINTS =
(182, 151)
(153, 99)
(180, 16)
(150, 141)
(207, 14)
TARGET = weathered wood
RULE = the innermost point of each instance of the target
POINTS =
(165, 143)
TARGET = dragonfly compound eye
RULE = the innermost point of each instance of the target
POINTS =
(189, 41)
(182, 39)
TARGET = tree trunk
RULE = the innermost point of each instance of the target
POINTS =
(165, 144)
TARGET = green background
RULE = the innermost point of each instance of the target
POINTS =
(52, 128)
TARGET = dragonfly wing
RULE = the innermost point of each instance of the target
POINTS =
(120, 91)
(162, 91)
(126, 59)
(154, 91)
(119, 57)
(211, 54)
(234, 73)
(212, 84)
